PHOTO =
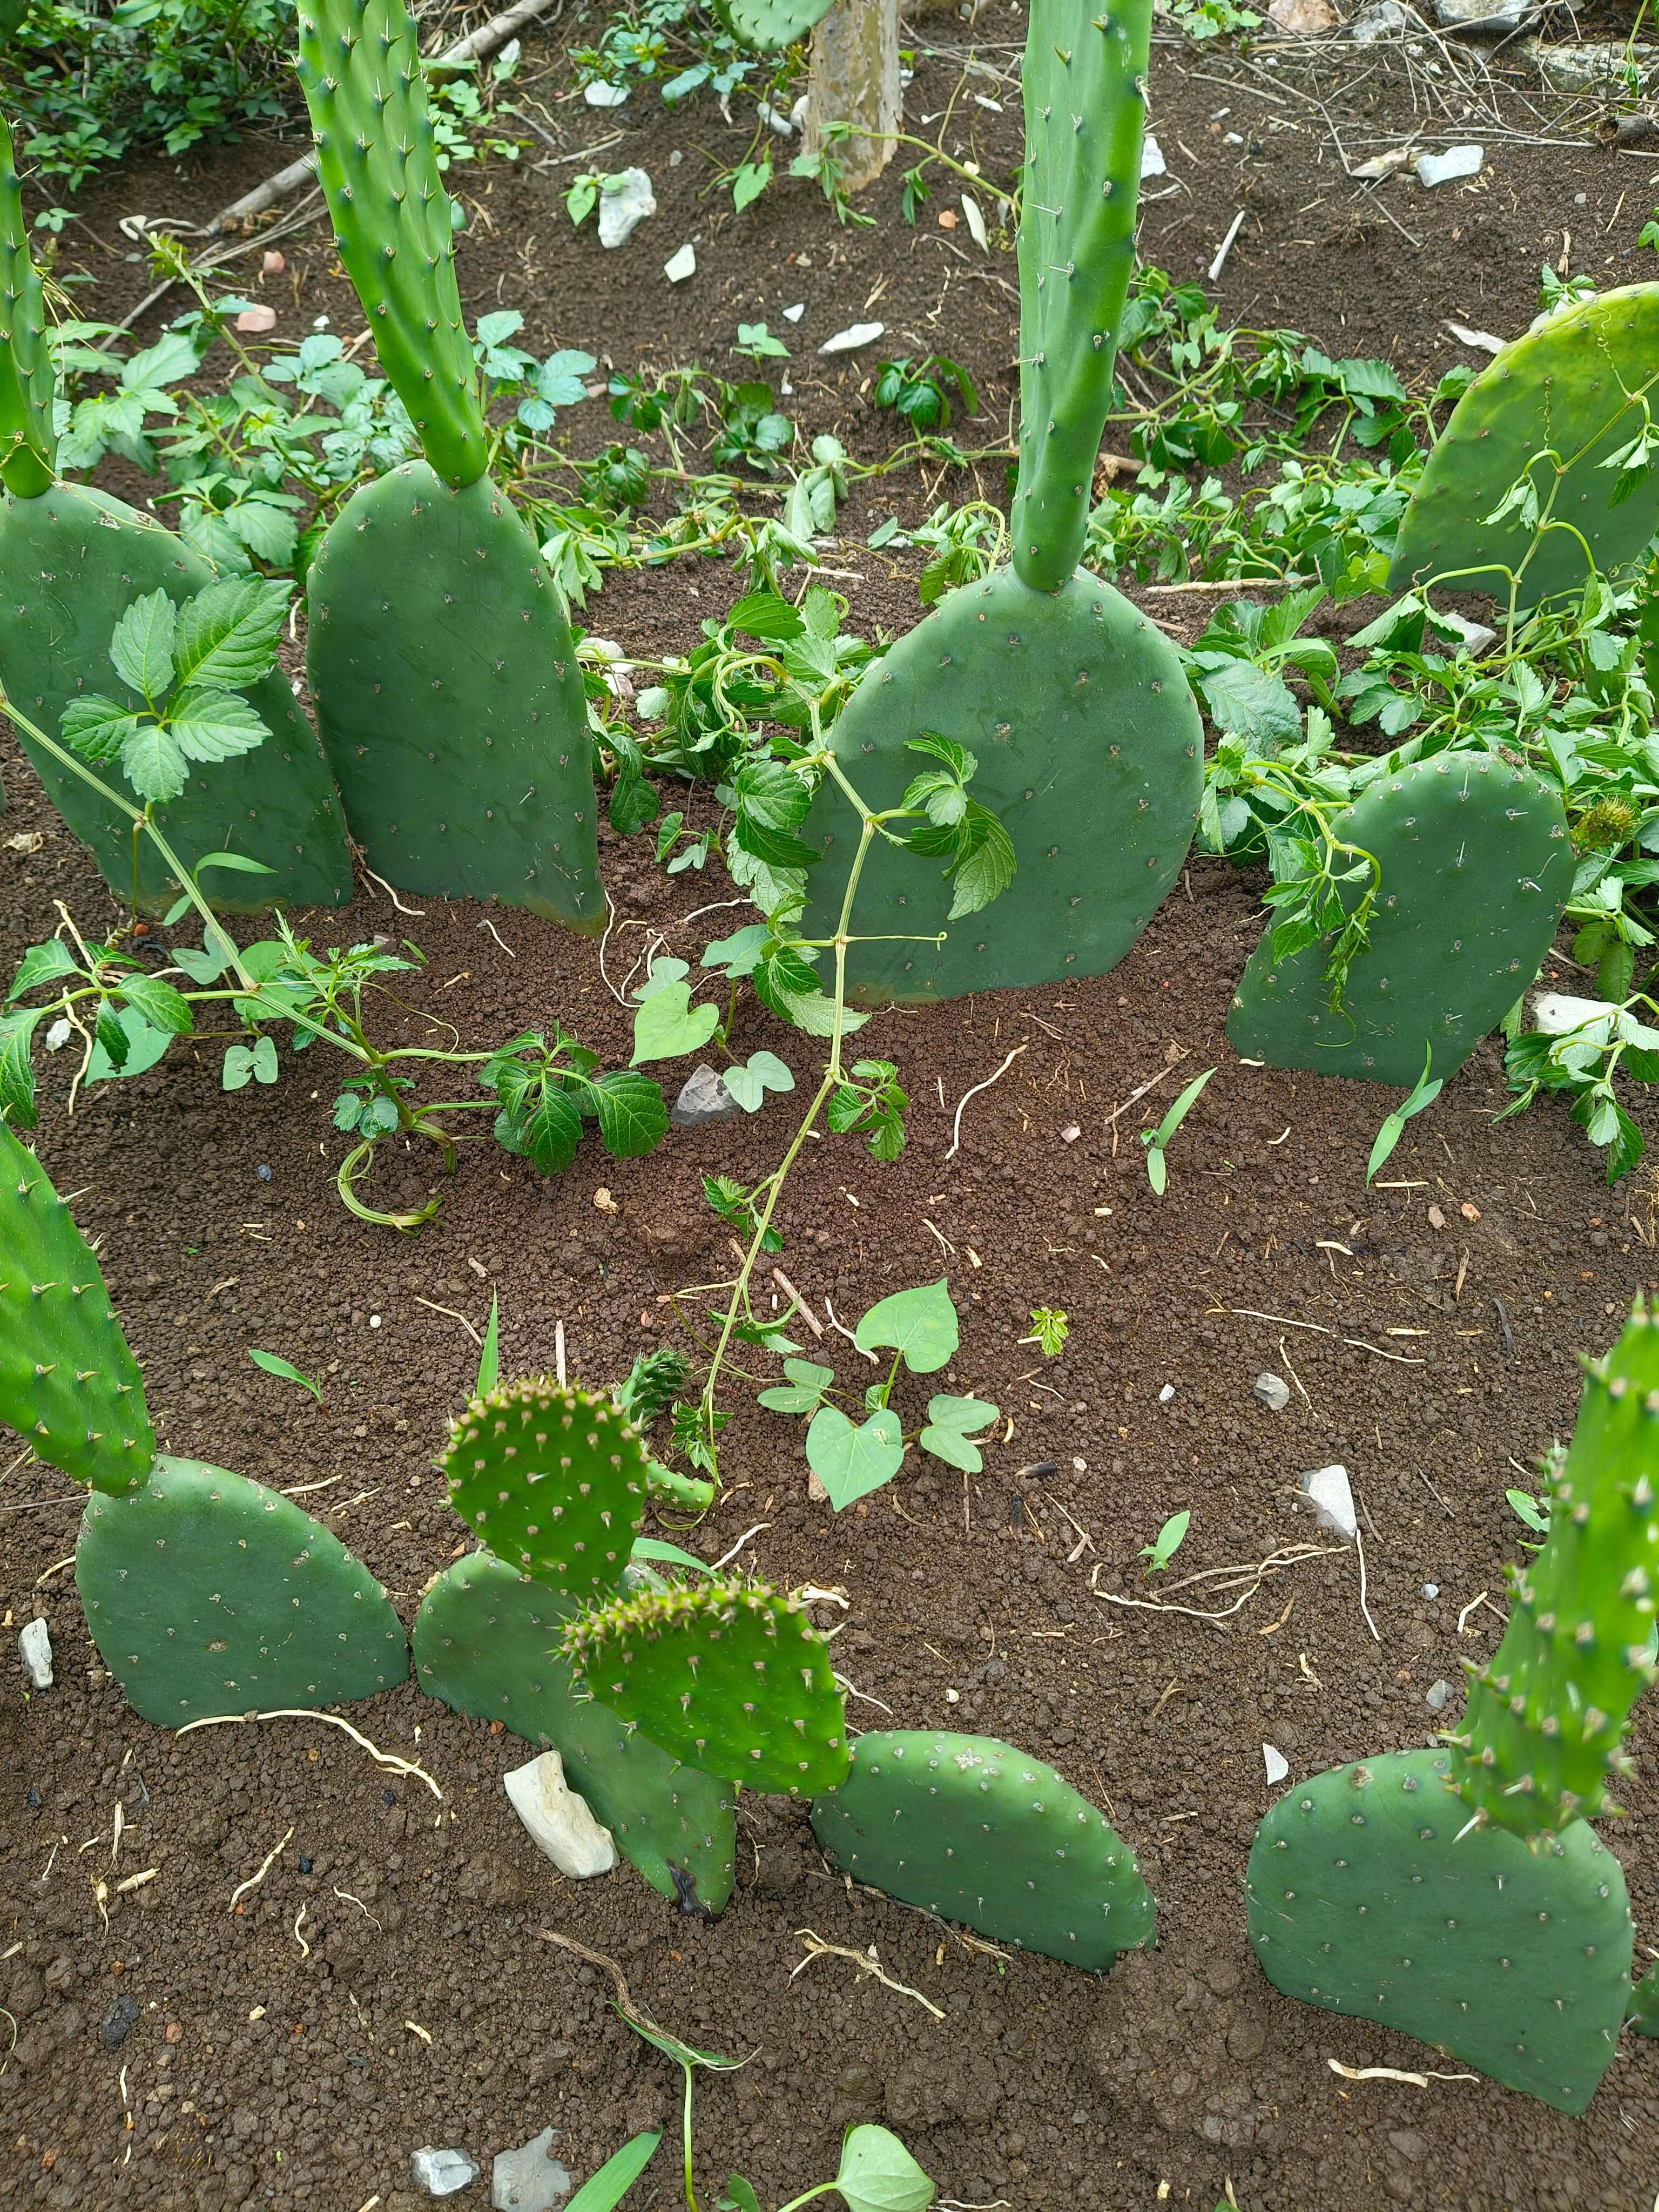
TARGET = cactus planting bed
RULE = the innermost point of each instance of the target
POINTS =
(180, 2048)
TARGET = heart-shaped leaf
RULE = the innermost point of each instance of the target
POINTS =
(950, 1422)
(803, 1393)
(919, 1324)
(750, 1085)
(667, 1025)
(851, 1461)
(878, 2174)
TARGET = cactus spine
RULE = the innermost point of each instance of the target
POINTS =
(1077, 709)
(447, 687)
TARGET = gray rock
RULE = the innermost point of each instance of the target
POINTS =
(441, 2172)
(703, 1098)
(116, 2023)
(1602, 65)
(1386, 19)
(530, 2179)
(678, 266)
(1328, 1491)
(34, 1649)
(1448, 167)
(1436, 1696)
(1485, 19)
(1431, 1589)
(1273, 1391)
(1477, 636)
(625, 201)
(561, 1822)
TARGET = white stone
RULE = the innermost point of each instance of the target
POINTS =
(1277, 1764)
(34, 1649)
(441, 2172)
(59, 1034)
(1593, 65)
(625, 201)
(1387, 20)
(1152, 163)
(558, 1820)
(678, 266)
(1477, 636)
(856, 335)
(1166, 1394)
(777, 122)
(1445, 168)
(1328, 1491)
(604, 95)
(529, 2179)
(793, 314)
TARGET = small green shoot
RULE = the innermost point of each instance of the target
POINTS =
(1530, 1509)
(1424, 1093)
(606, 2188)
(488, 1354)
(759, 343)
(1164, 1546)
(1050, 1330)
(1155, 1139)
(274, 1365)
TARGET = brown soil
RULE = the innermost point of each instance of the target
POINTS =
(427, 2009)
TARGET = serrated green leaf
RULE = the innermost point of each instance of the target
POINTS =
(16, 1074)
(214, 725)
(153, 762)
(988, 868)
(227, 636)
(42, 963)
(633, 1119)
(95, 727)
(141, 646)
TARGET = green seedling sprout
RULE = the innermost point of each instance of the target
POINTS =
(1536, 1516)
(274, 1363)
(1050, 1330)
(1164, 1546)
(1155, 1139)
(1423, 1093)
(490, 1366)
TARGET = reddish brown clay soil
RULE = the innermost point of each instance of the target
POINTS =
(1427, 1329)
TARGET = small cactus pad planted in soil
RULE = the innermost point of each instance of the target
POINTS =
(1089, 751)
(975, 1831)
(207, 1593)
(552, 1478)
(1552, 408)
(1362, 1898)
(1476, 867)
(68, 1380)
(729, 1676)
(487, 1642)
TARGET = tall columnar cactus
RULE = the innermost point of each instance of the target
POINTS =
(1075, 706)
(446, 684)
(1475, 865)
(1502, 1933)
(552, 1478)
(1563, 415)
(729, 1677)
(486, 1643)
(68, 1380)
(975, 1831)
(72, 561)
(207, 1593)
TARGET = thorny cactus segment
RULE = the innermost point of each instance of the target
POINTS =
(74, 561)
(975, 1831)
(68, 1380)
(1085, 111)
(360, 67)
(1562, 414)
(1089, 751)
(1547, 1713)
(1362, 1899)
(29, 442)
(449, 700)
(730, 1676)
(1475, 865)
(486, 1643)
(207, 1593)
(769, 26)
(552, 1478)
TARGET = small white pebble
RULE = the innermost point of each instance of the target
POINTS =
(952, 1697)
(374, 1321)
(1166, 1394)
(1070, 1134)
(1273, 1760)
(1431, 1589)
(1081, 1466)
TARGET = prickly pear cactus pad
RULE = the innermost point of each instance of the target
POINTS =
(28, 443)
(377, 159)
(975, 1831)
(730, 1677)
(207, 1593)
(486, 1643)
(1547, 1713)
(68, 1382)
(1476, 866)
(552, 1478)
(449, 700)
(1362, 1899)
(1089, 749)
(768, 25)
(1085, 110)
(1553, 408)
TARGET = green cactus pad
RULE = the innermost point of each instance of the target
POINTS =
(1090, 749)
(449, 700)
(71, 562)
(1573, 387)
(973, 1831)
(28, 443)
(731, 1677)
(1643, 2010)
(552, 1478)
(767, 27)
(1085, 109)
(68, 1382)
(207, 1593)
(377, 158)
(1476, 865)
(486, 1643)
(1362, 1899)
(1547, 1713)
